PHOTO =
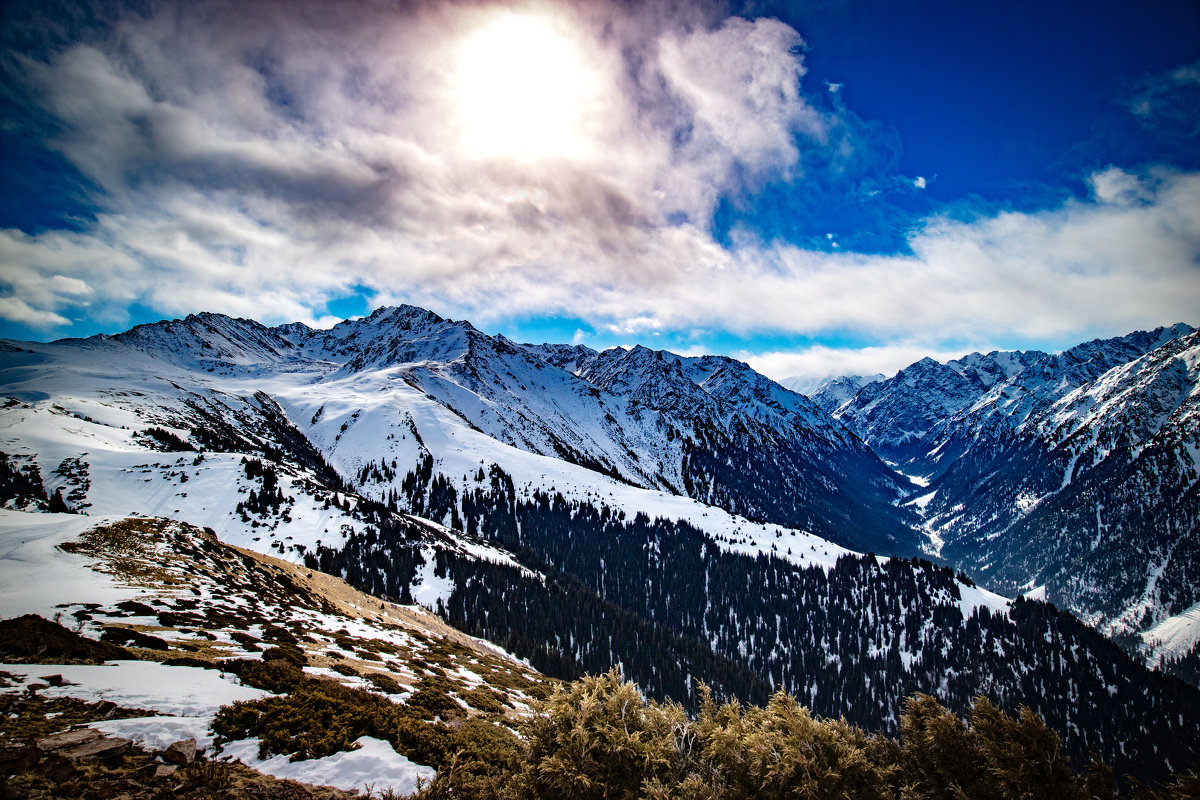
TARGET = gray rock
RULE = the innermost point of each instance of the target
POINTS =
(57, 741)
(182, 752)
(100, 748)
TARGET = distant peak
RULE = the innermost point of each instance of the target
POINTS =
(402, 311)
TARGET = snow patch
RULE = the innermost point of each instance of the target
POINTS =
(1173, 637)
(373, 767)
(38, 576)
(173, 690)
(923, 500)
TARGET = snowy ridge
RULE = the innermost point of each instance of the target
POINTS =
(368, 389)
(1089, 481)
(833, 393)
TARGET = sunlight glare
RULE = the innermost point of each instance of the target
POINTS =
(523, 90)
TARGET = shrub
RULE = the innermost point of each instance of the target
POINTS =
(271, 676)
(286, 652)
(32, 639)
(384, 683)
(319, 718)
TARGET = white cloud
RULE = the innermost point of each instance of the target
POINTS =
(819, 361)
(1115, 185)
(743, 83)
(17, 310)
(919, 182)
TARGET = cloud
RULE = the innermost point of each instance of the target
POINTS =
(266, 159)
(17, 310)
(742, 81)
(1115, 185)
(1169, 99)
(820, 361)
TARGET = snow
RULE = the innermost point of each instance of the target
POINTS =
(373, 767)
(922, 501)
(1035, 593)
(189, 698)
(974, 597)
(173, 690)
(35, 576)
(427, 588)
(418, 399)
(158, 733)
(917, 480)
(1174, 636)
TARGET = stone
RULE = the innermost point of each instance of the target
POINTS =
(59, 769)
(15, 760)
(164, 770)
(101, 748)
(57, 741)
(182, 752)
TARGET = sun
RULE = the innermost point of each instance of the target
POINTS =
(523, 89)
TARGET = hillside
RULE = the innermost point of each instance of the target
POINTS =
(196, 612)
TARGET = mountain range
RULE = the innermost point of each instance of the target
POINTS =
(1071, 475)
(684, 518)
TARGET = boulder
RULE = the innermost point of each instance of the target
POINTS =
(58, 741)
(182, 752)
(15, 760)
(59, 770)
(107, 747)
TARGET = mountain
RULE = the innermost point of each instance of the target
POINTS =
(832, 393)
(795, 465)
(921, 418)
(683, 518)
(1092, 496)
(1070, 475)
(897, 417)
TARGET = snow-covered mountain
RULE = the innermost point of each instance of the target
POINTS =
(1072, 475)
(832, 393)
(740, 441)
(681, 517)
(899, 416)
(1093, 496)
(710, 429)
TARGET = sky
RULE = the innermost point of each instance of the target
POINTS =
(817, 188)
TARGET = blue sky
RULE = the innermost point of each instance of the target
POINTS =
(817, 188)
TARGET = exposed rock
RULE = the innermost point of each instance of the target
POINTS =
(59, 769)
(182, 752)
(15, 760)
(101, 748)
(75, 738)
